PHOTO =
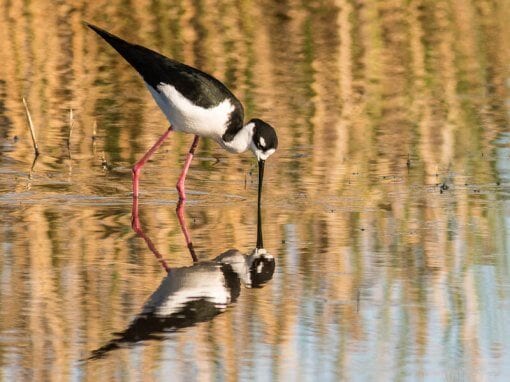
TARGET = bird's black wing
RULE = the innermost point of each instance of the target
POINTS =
(201, 88)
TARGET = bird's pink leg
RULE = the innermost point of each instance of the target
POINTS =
(182, 177)
(138, 166)
(135, 223)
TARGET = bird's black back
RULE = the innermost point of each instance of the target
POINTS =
(201, 88)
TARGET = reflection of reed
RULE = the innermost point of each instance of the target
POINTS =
(353, 88)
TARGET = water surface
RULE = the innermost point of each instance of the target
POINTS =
(386, 207)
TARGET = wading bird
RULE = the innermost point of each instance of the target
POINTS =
(196, 103)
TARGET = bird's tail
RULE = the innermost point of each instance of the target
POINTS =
(119, 44)
(135, 55)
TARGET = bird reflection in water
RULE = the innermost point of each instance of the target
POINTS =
(193, 294)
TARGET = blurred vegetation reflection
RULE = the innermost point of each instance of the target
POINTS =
(386, 207)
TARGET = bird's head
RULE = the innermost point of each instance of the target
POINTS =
(264, 141)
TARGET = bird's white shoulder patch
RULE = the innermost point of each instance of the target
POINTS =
(187, 117)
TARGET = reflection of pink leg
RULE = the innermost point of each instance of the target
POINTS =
(182, 222)
(182, 178)
(138, 166)
(135, 223)
(182, 198)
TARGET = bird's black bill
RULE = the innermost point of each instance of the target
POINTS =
(260, 243)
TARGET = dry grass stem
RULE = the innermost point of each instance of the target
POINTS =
(31, 126)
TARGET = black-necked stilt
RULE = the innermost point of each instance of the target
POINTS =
(196, 103)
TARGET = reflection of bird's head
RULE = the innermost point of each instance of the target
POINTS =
(261, 265)
(254, 269)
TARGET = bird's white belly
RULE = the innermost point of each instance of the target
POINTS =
(183, 285)
(187, 117)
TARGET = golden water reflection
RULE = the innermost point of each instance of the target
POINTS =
(386, 206)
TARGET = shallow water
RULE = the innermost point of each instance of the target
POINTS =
(386, 206)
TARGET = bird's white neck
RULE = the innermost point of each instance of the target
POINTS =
(242, 139)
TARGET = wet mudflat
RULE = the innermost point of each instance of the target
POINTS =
(386, 206)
